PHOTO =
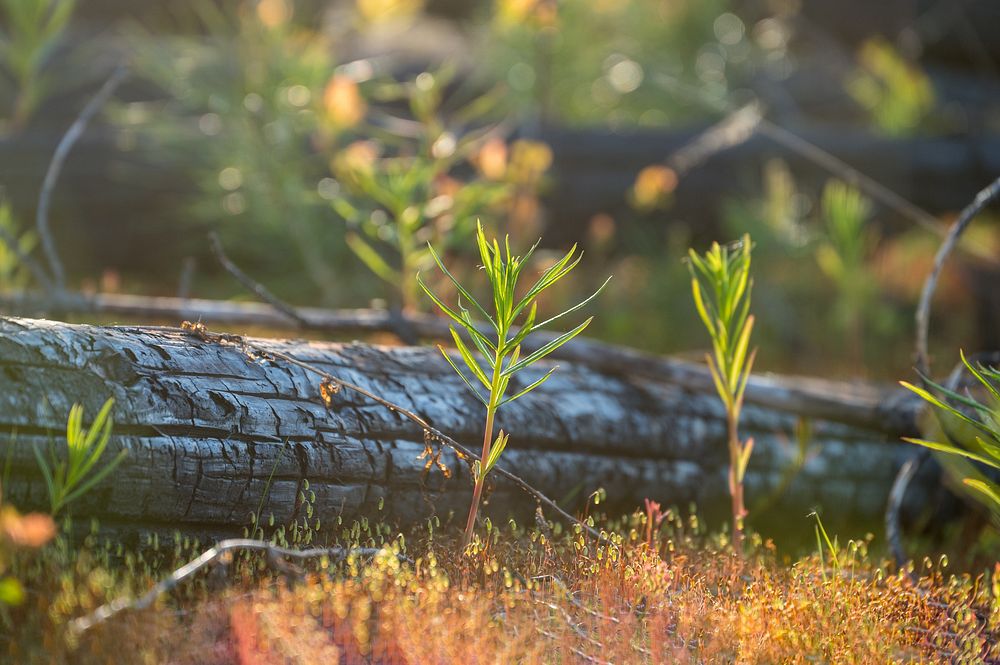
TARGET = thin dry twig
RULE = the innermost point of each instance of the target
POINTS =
(986, 196)
(55, 168)
(253, 285)
(733, 130)
(209, 557)
(824, 160)
(396, 322)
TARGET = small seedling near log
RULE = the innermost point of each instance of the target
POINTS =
(68, 479)
(501, 359)
(721, 285)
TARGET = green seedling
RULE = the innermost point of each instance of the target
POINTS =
(70, 478)
(972, 433)
(500, 346)
(721, 285)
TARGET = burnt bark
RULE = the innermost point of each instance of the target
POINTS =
(213, 433)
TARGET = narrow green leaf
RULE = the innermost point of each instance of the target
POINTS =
(474, 390)
(982, 379)
(953, 450)
(43, 466)
(549, 347)
(527, 389)
(461, 289)
(372, 259)
(470, 361)
(89, 484)
(454, 316)
(990, 491)
(929, 397)
(699, 303)
(574, 308)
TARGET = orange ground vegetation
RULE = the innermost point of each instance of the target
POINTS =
(544, 597)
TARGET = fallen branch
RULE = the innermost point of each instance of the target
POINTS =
(211, 556)
(865, 406)
(217, 431)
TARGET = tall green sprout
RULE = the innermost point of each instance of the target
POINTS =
(721, 285)
(500, 348)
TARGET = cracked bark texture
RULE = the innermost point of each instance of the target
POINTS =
(206, 426)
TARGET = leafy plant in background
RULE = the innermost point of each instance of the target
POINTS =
(501, 358)
(896, 93)
(31, 30)
(580, 63)
(255, 104)
(69, 478)
(400, 193)
(844, 256)
(13, 274)
(970, 430)
(721, 286)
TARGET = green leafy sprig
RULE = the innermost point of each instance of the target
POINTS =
(973, 434)
(70, 478)
(488, 376)
(721, 286)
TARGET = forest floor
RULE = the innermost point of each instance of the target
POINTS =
(543, 595)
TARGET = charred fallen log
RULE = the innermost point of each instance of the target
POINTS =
(214, 432)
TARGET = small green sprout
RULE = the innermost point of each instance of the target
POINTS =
(68, 479)
(501, 358)
(721, 285)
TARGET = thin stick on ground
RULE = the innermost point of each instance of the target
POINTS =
(55, 168)
(210, 556)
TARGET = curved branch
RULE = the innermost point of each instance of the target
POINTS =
(55, 168)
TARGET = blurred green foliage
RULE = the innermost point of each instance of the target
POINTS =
(31, 30)
(896, 93)
(581, 62)
(14, 274)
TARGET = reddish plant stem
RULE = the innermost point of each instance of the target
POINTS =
(735, 484)
(477, 493)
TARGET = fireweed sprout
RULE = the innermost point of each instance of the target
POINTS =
(721, 285)
(501, 357)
